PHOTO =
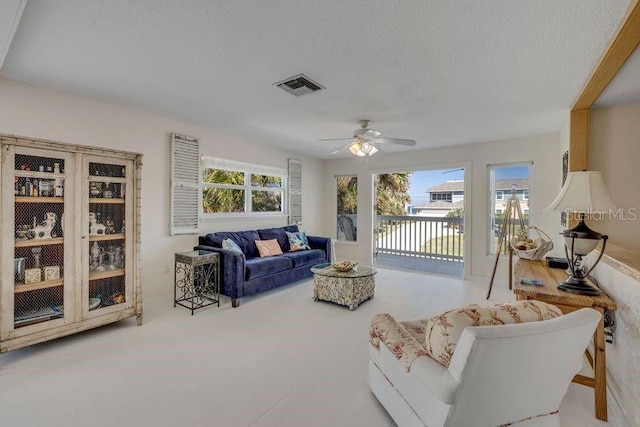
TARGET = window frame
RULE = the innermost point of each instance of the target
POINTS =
(248, 169)
(337, 214)
(493, 197)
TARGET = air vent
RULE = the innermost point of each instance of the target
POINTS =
(299, 85)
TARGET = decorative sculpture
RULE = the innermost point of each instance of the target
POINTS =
(43, 230)
(95, 228)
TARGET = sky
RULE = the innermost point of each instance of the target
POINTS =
(423, 180)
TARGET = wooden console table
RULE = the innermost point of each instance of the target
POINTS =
(568, 302)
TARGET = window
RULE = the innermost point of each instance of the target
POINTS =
(238, 188)
(441, 196)
(266, 193)
(503, 180)
(347, 212)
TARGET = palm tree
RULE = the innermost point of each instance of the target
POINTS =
(263, 200)
(392, 193)
(215, 200)
(347, 195)
(223, 199)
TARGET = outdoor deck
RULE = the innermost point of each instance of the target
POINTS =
(429, 265)
(430, 244)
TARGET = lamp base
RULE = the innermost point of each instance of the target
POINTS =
(578, 285)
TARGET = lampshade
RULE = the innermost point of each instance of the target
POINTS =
(583, 192)
(362, 148)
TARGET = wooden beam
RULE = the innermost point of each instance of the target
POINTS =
(623, 44)
(579, 133)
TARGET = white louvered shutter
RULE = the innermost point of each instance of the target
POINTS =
(295, 191)
(185, 184)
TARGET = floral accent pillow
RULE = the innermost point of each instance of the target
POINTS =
(298, 241)
(231, 245)
(442, 332)
(268, 247)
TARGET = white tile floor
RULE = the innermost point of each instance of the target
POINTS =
(280, 359)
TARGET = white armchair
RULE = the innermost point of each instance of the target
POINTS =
(499, 375)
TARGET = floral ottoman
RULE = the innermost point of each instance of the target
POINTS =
(348, 288)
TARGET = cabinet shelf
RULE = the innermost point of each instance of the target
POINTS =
(39, 242)
(102, 237)
(106, 201)
(37, 174)
(107, 179)
(27, 199)
(106, 274)
(22, 287)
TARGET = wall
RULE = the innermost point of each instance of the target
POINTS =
(621, 281)
(34, 112)
(614, 149)
(545, 185)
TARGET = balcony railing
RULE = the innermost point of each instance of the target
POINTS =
(419, 236)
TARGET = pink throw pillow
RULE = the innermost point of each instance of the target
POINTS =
(268, 247)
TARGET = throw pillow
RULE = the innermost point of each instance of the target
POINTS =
(231, 245)
(443, 331)
(298, 241)
(268, 247)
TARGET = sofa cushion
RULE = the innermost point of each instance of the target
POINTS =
(268, 247)
(260, 267)
(442, 332)
(230, 245)
(310, 257)
(278, 233)
(244, 239)
(298, 241)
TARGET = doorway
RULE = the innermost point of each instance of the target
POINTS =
(419, 220)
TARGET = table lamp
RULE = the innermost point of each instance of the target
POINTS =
(583, 193)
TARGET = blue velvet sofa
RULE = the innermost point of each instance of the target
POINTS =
(246, 273)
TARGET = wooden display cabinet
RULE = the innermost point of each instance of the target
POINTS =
(70, 239)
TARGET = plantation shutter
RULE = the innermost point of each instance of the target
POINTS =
(295, 191)
(185, 184)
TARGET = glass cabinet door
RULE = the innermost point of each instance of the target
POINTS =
(39, 194)
(106, 241)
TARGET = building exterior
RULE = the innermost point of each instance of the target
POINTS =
(450, 195)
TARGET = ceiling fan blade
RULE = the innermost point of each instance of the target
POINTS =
(409, 142)
(336, 139)
(340, 149)
(369, 133)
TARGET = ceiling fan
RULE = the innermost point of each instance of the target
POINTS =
(365, 141)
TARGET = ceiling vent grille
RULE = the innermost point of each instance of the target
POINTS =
(299, 85)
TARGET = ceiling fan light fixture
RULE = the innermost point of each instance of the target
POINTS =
(355, 149)
(364, 141)
(362, 149)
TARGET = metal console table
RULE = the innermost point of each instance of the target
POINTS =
(197, 279)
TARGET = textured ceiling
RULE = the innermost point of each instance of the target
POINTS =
(439, 72)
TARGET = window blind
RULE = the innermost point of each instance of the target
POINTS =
(185, 181)
(295, 191)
